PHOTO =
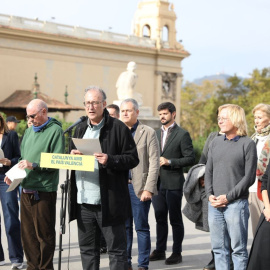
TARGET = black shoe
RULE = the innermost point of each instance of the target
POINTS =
(231, 264)
(157, 255)
(174, 258)
(210, 265)
(103, 250)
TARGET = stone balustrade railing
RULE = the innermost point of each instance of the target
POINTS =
(73, 31)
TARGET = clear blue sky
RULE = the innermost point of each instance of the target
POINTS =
(229, 36)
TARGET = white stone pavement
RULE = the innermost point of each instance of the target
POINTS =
(196, 246)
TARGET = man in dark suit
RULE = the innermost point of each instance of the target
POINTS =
(176, 152)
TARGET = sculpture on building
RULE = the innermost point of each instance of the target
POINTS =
(126, 84)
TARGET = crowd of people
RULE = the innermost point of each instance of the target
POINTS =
(138, 166)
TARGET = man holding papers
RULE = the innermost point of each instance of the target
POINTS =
(99, 200)
(38, 199)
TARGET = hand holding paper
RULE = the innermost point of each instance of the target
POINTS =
(101, 158)
(16, 175)
(76, 152)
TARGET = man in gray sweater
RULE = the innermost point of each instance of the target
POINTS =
(230, 171)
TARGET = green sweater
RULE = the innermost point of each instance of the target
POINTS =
(48, 140)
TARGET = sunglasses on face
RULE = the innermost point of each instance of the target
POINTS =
(32, 116)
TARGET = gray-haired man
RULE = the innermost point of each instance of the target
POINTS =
(100, 200)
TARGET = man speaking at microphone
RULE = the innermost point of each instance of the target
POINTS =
(100, 200)
(38, 199)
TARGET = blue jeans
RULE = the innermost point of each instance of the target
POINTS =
(229, 228)
(10, 207)
(140, 211)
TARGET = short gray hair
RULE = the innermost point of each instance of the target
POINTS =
(133, 101)
(96, 88)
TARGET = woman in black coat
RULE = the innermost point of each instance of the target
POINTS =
(259, 257)
(9, 144)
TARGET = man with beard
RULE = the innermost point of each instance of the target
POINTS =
(176, 152)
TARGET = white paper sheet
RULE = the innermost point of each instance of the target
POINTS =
(87, 146)
(16, 175)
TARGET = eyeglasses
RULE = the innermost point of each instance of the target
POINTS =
(92, 103)
(32, 115)
(222, 119)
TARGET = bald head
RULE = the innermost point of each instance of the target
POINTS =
(37, 111)
(38, 104)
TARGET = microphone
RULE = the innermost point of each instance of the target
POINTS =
(82, 118)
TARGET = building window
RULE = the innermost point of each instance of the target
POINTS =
(165, 33)
(146, 31)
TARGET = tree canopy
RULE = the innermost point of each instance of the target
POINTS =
(199, 103)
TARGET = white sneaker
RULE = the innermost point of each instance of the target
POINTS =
(2, 263)
(17, 266)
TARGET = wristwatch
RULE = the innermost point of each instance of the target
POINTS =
(169, 161)
(34, 166)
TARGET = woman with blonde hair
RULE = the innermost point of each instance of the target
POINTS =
(9, 144)
(261, 137)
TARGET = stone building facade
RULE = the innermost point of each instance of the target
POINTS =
(76, 57)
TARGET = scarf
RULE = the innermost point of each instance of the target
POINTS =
(37, 129)
(263, 159)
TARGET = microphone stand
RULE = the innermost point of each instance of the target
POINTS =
(64, 190)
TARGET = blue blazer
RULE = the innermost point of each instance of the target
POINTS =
(11, 149)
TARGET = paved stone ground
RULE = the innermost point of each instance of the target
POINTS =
(196, 246)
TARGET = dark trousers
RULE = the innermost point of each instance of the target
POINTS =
(89, 220)
(169, 201)
(102, 241)
(38, 229)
